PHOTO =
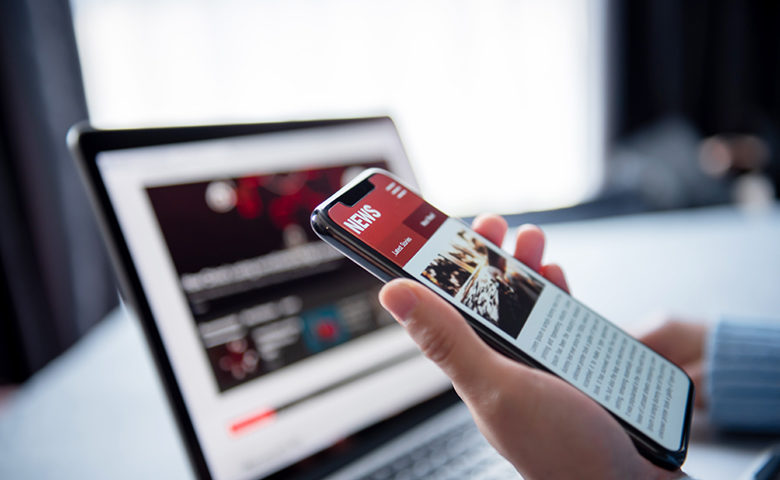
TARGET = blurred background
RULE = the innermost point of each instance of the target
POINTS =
(566, 108)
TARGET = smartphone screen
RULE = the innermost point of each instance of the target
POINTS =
(521, 307)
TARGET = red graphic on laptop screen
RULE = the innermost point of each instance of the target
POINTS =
(374, 219)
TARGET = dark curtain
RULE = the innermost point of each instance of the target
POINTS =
(55, 280)
(713, 64)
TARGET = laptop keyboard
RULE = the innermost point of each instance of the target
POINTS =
(459, 453)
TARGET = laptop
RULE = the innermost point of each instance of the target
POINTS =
(275, 355)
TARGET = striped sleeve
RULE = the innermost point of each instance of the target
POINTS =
(743, 375)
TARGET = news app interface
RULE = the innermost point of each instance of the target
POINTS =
(591, 353)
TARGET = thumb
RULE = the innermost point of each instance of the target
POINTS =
(443, 335)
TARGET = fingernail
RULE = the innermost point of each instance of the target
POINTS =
(400, 301)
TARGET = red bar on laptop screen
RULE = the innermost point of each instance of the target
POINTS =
(376, 220)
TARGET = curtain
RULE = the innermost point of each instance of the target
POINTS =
(711, 66)
(55, 280)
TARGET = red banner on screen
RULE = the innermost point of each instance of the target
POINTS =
(390, 219)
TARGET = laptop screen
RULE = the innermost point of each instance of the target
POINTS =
(277, 343)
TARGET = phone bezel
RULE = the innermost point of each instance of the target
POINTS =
(384, 269)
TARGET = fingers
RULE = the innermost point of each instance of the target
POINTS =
(554, 273)
(442, 334)
(529, 246)
(683, 343)
(679, 341)
(696, 372)
(662, 340)
(492, 227)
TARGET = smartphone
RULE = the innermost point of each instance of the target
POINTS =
(388, 229)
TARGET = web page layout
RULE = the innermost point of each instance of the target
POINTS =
(258, 281)
(279, 346)
(632, 381)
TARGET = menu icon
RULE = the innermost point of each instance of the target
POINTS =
(396, 190)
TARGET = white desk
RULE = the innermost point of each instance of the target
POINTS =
(99, 411)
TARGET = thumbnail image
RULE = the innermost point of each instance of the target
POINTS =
(481, 279)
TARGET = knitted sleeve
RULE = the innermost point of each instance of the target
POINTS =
(743, 375)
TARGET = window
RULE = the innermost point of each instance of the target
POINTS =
(499, 102)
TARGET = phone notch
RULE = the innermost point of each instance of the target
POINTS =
(353, 195)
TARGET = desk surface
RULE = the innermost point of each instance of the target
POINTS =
(99, 410)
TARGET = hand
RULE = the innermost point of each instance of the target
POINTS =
(682, 342)
(545, 427)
